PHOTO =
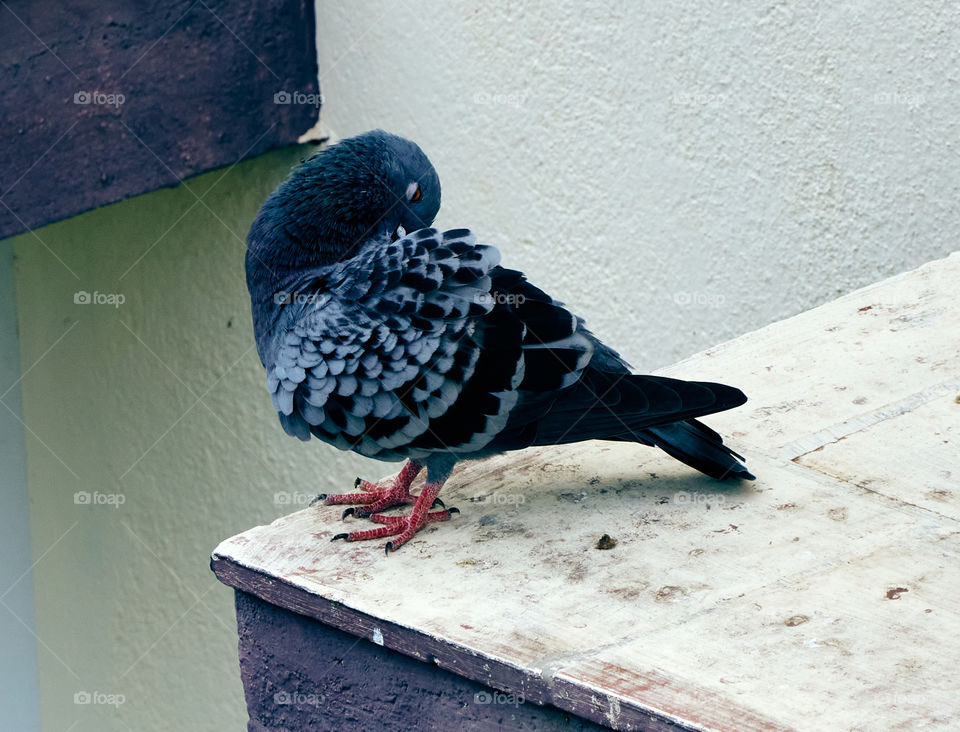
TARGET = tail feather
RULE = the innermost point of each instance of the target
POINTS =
(651, 410)
(698, 446)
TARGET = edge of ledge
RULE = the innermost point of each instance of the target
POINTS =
(566, 689)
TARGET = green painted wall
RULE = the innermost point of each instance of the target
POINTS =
(156, 409)
(18, 647)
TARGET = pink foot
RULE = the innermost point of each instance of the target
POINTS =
(374, 498)
(404, 527)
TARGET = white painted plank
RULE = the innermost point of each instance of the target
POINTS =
(822, 596)
(914, 457)
(861, 353)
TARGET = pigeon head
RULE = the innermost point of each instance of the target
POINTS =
(375, 185)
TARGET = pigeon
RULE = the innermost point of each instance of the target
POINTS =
(385, 336)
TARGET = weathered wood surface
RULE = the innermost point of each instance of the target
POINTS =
(822, 596)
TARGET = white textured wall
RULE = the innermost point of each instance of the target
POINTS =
(678, 173)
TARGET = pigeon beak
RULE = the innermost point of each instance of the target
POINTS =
(399, 233)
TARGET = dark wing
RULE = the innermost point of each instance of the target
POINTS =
(573, 387)
(426, 345)
(369, 353)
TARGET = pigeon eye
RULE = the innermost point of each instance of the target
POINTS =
(414, 193)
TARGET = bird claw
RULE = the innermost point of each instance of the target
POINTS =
(437, 502)
(348, 512)
(373, 497)
(317, 499)
(345, 537)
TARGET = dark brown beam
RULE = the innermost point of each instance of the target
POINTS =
(100, 101)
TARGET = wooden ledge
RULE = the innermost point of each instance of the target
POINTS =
(821, 596)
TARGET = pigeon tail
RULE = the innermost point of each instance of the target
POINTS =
(698, 446)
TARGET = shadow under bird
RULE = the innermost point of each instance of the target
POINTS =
(387, 337)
